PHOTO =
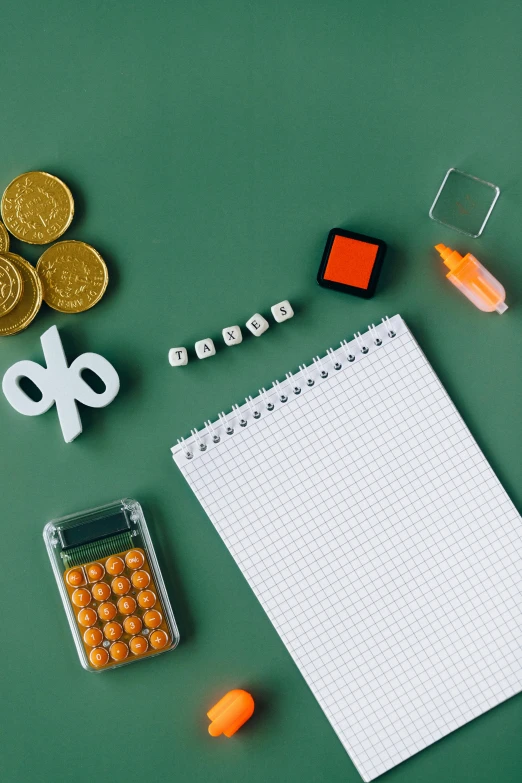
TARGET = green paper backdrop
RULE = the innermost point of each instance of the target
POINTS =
(210, 147)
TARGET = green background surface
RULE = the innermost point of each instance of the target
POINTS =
(210, 147)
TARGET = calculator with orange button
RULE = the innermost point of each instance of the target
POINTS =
(111, 585)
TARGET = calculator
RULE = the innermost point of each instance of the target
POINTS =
(111, 585)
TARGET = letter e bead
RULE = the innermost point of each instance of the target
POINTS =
(205, 348)
(257, 324)
(282, 311)
(178, 357)
(232, 335)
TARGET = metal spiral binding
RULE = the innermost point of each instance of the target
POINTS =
(212, 432)
(226, 424)
(195, 434)
(188, 453)
(256, 414)
(318, 362)
(349, 356)
(292, 382)
(282, 396)
(386, 321)
(304, 371)
(290, 378)
(375, 334)
(359, 340)
(335, 362)
(264, 396)
(242, 421)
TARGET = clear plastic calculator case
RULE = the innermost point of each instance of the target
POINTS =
(111, 585)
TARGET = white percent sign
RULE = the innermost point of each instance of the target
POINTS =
(60, 383)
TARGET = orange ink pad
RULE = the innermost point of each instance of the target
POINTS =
(351, 262)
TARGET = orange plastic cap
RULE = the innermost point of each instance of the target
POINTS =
(229, 714)
(450, 257)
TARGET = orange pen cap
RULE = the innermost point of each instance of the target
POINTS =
(450, 257)
(229, 714)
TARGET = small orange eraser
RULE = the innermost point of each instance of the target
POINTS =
(229, 714)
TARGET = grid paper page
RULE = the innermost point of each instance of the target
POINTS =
(381, 545)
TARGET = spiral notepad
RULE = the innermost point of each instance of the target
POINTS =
(377, 538)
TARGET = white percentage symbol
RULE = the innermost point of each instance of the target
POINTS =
(61, 384)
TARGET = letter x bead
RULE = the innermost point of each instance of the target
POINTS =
(178, 357)
(257, 324)
(205, 348)
(232, 335)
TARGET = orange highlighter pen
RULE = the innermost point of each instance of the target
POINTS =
(473, 280)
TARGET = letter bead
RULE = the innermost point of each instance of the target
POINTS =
(205, 348)
(257, 324)
(178, 357)
(232, 335)
(282, 311)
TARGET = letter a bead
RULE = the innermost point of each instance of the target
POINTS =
(257, 324)
(178, 357)
(205, 348)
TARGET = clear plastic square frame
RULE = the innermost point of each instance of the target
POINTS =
(464, 202)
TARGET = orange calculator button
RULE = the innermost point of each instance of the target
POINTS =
(115, 566)
(146, 599)
(138, 645)
(107, 611)
(140, 579)
(101, 591)
(112, 631)
(126, 605)
(120, 585)
(134, 559)
(99, 656)
(158, 639)
(132, 624)
(152, 618)
(119, 651)
(87, 617)
(75, 577)
(93, 637)
(95, 572)
(81, 597)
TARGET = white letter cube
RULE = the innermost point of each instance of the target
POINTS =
(257, 324)
(205, 348)
(232, 335)
(178, 357)
(282, 311)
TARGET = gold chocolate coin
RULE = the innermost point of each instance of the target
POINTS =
(29, 304)
(11, 286)
(37, 207)
(4, 239)
(73, 275)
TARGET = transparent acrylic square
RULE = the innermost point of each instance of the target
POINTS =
(464, 202)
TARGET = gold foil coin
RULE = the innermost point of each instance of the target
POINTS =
(37, 207)
(21, 316)
(73, 275)
(11, 286)
(4, 239)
